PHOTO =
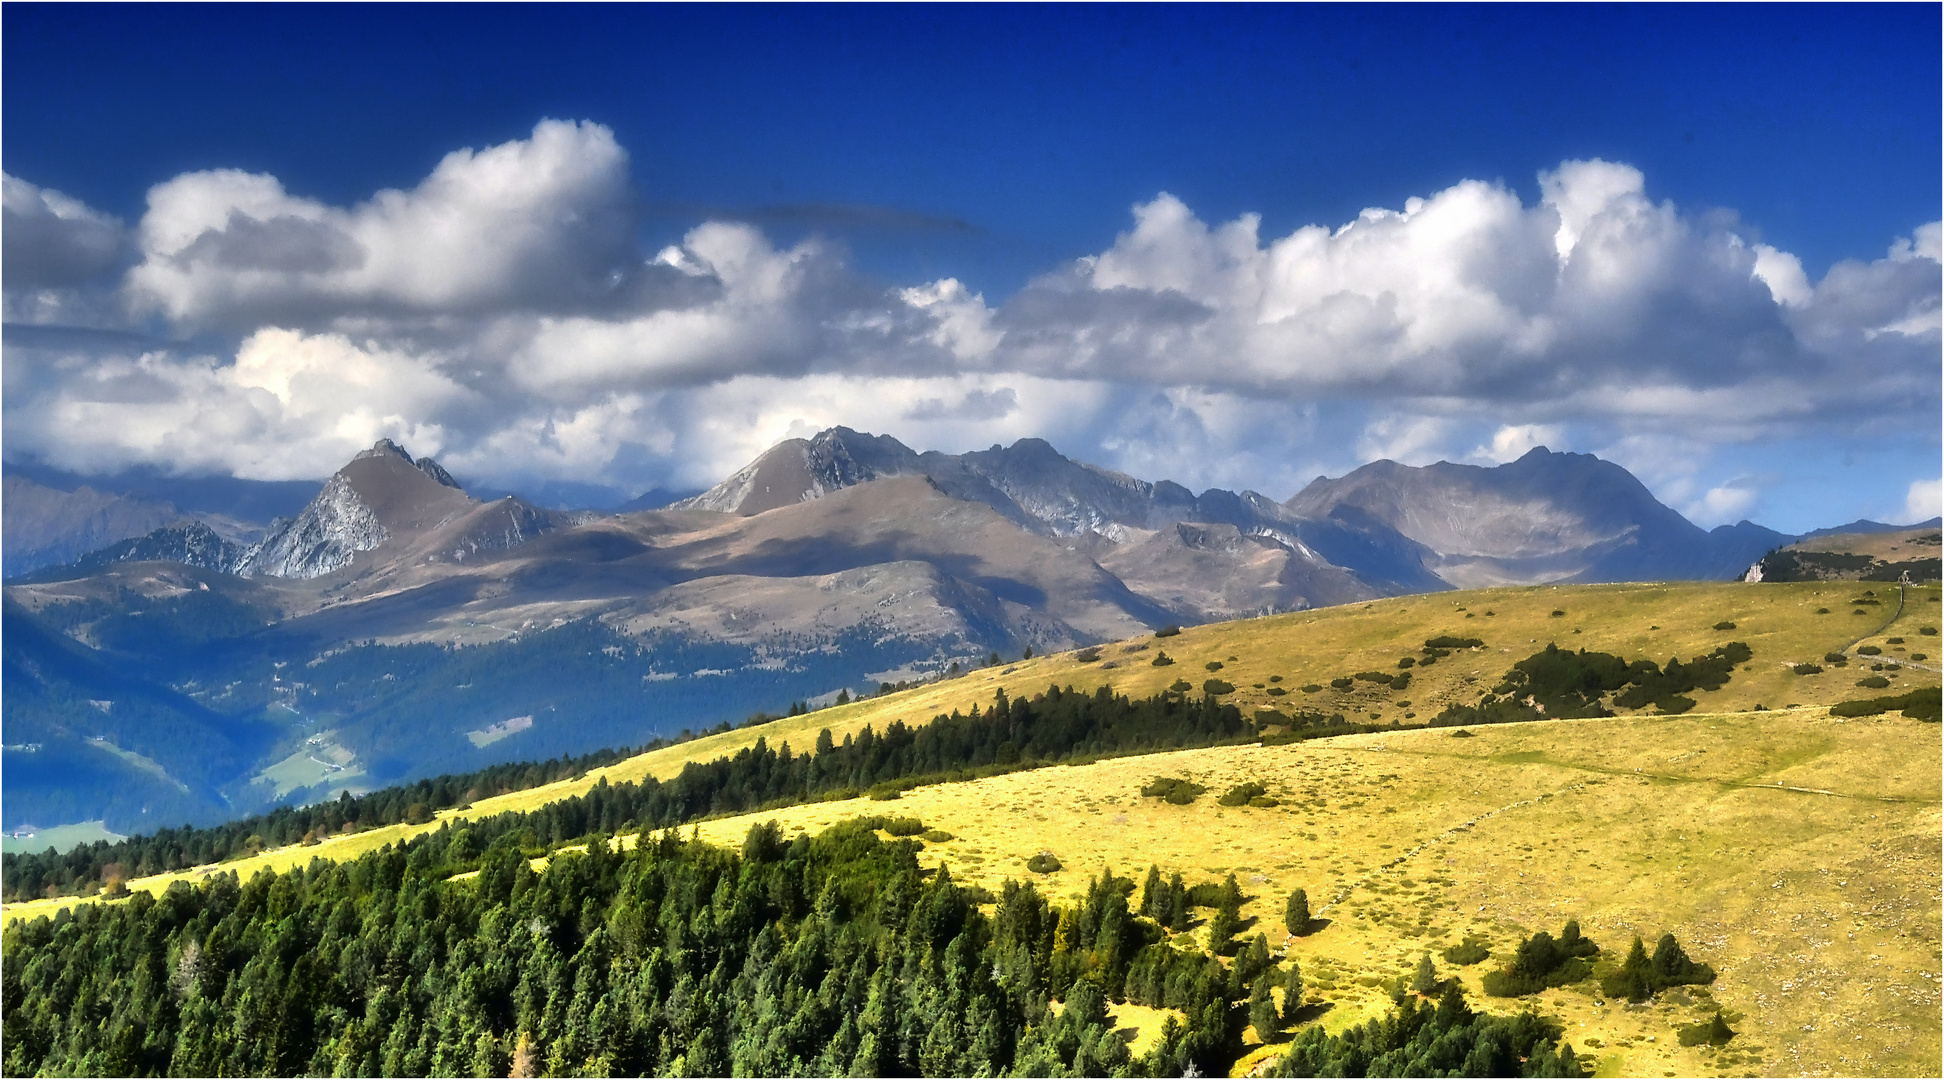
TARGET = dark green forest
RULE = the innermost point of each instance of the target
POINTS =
(828, 955)
(1057, 726)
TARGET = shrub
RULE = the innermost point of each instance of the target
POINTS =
(1807, 669)
(1558, 614)
(1461, 733)
(1640, 978)
(1822, 611)
(1043, 863)
(1087, 655)
(1869, 650)
(1174, 789)
(1893, 641)
(1450, 642)
(1401, 680)
(1382, 678)
(902, 826)
(1275, 678)
(1427, 661)
(1874, 682)
(1407, 662)
(1835, 658)
(936, 836)
(1724, 625)
(1472, 950)
(1181, 686)
(1240, 794)
(1213, 665)
(1927, 631)
(1265, 802)
(1543, 962)
(1170, 630)
(1276, 691)
(1216, 688)
(1342, 684)
(1919, 656)
(1715, 1032)
(1926, 704)
(1162, 659)
(1311, 688)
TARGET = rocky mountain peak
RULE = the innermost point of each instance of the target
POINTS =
(381, 492)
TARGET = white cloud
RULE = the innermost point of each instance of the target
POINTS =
(1925, 501)
(500, 313)
(1511, 442)
(538, 222)
(289, 406)
(1725, 504)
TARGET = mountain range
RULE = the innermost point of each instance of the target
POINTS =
(396, 625)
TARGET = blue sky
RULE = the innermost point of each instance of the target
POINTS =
(847, 162)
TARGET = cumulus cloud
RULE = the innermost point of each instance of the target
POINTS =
(288, 406)
(541, 222)
(501, 314)
(1925, 501)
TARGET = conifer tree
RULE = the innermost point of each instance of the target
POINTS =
(1426, 979)
(1296, 914)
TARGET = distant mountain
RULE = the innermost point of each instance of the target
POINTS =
(190, 543)
(1546, 517)
(383, 500)
(45, 526)
(393, 624)
(1864, 526)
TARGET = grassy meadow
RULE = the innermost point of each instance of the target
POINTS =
(1795, 852)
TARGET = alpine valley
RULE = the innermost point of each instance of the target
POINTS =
(193, 666)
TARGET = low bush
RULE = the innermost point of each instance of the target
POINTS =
(1174, 789)
(1558, 614)
(1926, 704)
(1822, 611)
(936, 836)
(1382, 678)
(1472, 950)
(1807, 669)
(1893, 641)
(1715, 1032)
(1276, 691)
(1835, 658)
(1869, 650)
(1161, 659)
(1311, 688)
(1216, 688)
(1213, 665)
(1240, 794)
(1873, 682)
(1087, 655)
(1344, 683)
(1170, 630)
(1407, 662)
(1275, 678)
(1451, 642)
(1543, 962)
(1043, 863)
(1724, 625)
(1181, 686)
(902, 826)
(1927, 631)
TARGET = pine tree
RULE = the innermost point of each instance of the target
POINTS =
(1426, 979)
(1151, 894)
(1296, 915)
(1262, 1012)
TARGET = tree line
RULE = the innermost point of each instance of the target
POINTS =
(1057, 726)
